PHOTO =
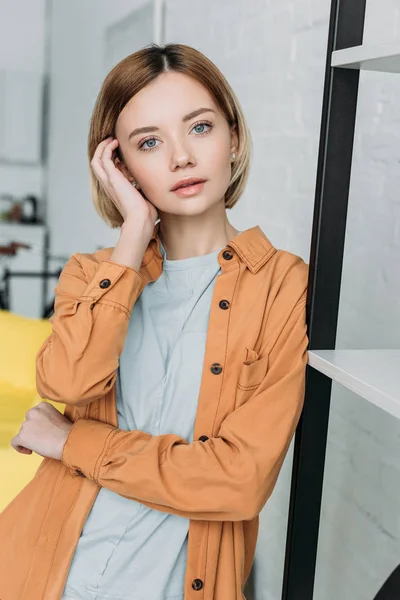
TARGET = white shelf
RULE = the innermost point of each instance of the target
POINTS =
(372, 374)
(384, 58)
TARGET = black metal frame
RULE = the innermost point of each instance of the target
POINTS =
(346, 26)
(47, 308)
(45, 275)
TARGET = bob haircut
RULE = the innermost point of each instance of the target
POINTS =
(136, 71)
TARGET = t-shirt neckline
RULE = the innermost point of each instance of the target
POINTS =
(191, 262)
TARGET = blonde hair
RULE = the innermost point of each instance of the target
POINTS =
(131, 75)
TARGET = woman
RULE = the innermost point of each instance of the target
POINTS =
(180, 355)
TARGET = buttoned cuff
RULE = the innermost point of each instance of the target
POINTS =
(86, 444)
(115, 283)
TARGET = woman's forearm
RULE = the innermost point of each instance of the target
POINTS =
(77, 363)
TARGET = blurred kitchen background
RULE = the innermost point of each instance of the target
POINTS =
(53, 57)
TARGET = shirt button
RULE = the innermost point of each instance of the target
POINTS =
(78, 472)
(105, 283)
(216, 369)
(227, 255)
(197, 584)
(224, 304)
(203, 438)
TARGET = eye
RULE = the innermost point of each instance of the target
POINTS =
(141, 146)
(199, 124)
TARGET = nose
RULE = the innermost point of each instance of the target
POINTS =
(181, 156)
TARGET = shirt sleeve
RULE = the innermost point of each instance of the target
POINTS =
(225, 478)
(77, 363)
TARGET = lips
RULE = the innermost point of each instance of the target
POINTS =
(187, 183)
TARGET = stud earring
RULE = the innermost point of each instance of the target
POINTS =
(233, 156)
(134, 183)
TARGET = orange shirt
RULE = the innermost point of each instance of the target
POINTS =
(250, 401)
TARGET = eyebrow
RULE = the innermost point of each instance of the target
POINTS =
(187, 117)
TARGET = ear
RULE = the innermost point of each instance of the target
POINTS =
(234, 139)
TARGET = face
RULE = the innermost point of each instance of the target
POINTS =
(179, 147)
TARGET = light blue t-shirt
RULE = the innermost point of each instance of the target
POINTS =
(126, 550)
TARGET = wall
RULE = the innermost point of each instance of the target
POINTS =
(22, 48)
(77, 71)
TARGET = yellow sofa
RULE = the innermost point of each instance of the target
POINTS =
(21, 338)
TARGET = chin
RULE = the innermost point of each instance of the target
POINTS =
(196, 205)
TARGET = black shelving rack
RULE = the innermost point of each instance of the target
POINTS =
(346, 26)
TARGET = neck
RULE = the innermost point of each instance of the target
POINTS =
(187, 236)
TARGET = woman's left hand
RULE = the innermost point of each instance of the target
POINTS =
(44, 431)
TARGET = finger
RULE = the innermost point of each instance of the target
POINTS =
(107, 160)
(104, 179)
(96, 160)
(100, 173)
(100, 148)
(118, 183)
(115, 179)
(18, 447)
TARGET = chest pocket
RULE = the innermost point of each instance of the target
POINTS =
(251, 374)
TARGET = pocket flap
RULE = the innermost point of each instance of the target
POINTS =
(253, 369)
(250, 355)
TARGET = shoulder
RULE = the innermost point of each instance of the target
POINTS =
(288, 274)
(287, 295)
(293, 271)
(285, 273)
